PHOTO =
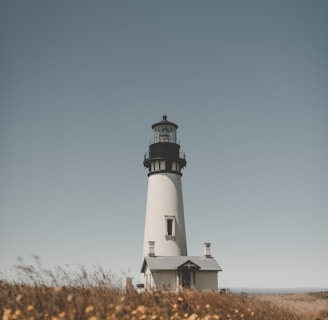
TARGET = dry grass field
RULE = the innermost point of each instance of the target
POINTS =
(96, 297)
(312, 305)
(93, 303)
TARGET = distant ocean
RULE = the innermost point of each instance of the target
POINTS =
(262, 291)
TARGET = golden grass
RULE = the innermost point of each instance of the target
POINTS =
(96, 297)
(314, 305)
(22, 301)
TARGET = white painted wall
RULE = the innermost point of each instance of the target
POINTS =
(148, 279)
(164, 198)
(160, 279)
(206, 280)
(168, 279)
(165, 279)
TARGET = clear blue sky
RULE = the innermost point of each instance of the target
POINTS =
(246, 81)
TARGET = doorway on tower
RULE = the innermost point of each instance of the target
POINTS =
(187, 274)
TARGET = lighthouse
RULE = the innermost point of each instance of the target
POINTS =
(166, 263)
(165, 225)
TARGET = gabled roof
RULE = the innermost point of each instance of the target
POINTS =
(173, 263)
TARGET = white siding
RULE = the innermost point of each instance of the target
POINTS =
(165, 279)
(148, 279)
(206, 280)
(168, 279)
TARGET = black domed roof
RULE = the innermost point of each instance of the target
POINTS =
(164, 122)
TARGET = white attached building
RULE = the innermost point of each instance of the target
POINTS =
(177, 272)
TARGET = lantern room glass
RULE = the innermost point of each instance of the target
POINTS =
(164, 133)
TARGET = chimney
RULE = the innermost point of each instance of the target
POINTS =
(151, 252)
(207, 250)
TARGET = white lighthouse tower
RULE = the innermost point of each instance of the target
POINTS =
(165, 232)
(165, 260)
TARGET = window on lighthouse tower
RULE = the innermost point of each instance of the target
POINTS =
(170, 226)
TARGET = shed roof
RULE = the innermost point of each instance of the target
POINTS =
(173, 263)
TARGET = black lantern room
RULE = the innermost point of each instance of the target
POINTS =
(164, 153)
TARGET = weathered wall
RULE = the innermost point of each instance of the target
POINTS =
(206, 280)
(165, 280)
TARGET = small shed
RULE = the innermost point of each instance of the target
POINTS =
(177, 272)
